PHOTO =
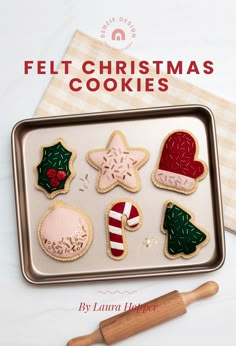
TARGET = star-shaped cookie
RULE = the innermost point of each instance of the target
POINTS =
(117, 164)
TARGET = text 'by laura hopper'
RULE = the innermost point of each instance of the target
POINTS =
(97, 307)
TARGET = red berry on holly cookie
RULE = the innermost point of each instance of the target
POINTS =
(178, 167)
(61, 175)
(51, 173)
(54, 182)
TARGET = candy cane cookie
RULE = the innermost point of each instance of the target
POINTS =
(120, 215)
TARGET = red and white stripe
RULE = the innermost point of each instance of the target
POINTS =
(115, 225)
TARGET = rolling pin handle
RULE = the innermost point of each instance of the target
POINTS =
(87, 340)
(208, 289)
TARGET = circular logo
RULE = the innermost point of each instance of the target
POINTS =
(118, 32)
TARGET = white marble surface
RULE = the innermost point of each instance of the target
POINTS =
(49, 316)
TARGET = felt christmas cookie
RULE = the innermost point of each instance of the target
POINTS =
(120, 215)
(55, 171)
(184, 237)
(118, 164)
(178, 168)
(65, 233)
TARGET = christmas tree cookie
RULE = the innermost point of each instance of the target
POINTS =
(65, 233)
(118, 164)
(55, 171)
(178, 168)
(184, 238)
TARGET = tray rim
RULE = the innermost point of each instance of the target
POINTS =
(108, 116)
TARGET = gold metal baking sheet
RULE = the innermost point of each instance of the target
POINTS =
(143, 128)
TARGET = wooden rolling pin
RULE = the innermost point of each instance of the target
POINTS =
(145, 316)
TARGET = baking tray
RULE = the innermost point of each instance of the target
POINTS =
(143, 128)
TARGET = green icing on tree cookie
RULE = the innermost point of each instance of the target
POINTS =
(53, 170)
(183, 236)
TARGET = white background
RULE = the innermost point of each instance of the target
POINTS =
(166, 30)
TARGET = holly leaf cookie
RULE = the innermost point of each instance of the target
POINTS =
(118, 164)
(184, 238)
(55, 171)
(178, 168)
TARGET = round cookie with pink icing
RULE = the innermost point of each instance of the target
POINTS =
(65, 233)
(118, 164)
(178, 167)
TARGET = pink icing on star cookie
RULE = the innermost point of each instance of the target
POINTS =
(118, 164)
